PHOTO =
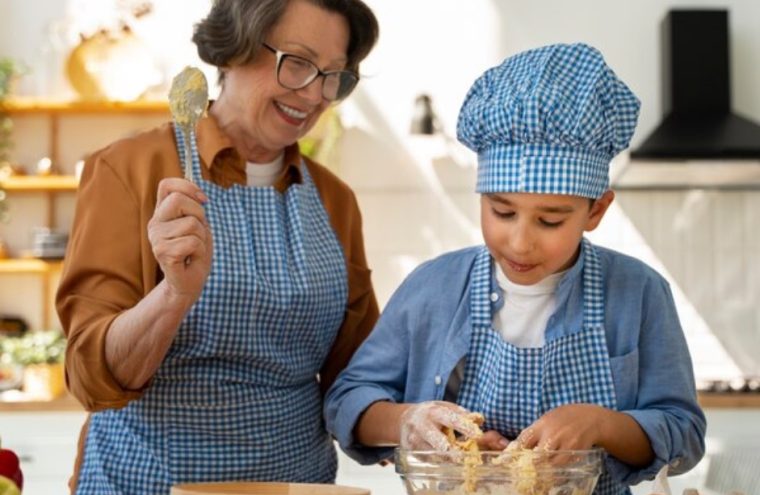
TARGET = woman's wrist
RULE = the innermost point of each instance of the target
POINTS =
(173, 300)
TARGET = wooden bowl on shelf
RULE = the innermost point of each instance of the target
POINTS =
(255, 488)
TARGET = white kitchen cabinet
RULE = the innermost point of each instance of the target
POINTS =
(379, 480)
(46, 443)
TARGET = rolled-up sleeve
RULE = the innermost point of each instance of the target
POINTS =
(101, 278)
(377, 372)
(411, 352)
(666, 406)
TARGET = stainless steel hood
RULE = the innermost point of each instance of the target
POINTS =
(700, 142)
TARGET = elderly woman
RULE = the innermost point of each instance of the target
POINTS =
(206, 318)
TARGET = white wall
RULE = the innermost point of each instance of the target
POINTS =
(452, 42)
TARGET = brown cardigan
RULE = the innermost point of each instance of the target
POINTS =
(110, 267)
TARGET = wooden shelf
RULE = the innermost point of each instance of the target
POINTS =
(45, 269)
(49, 185)
(36, 183)
(40, 106)
(16, 401)
(55, 189)
(729, 400)
(28, 265)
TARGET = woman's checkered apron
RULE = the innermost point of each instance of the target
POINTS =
(236, 398)
(514, 386)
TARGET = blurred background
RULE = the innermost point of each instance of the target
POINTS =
(85, 72)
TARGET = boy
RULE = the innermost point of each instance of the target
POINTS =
(559, 343)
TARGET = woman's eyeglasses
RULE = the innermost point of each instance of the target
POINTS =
(294, 72)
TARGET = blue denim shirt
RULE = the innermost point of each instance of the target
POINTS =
(425, 329)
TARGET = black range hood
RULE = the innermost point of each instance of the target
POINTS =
(699, 122)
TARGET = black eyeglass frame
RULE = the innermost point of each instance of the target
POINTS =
(281, 56)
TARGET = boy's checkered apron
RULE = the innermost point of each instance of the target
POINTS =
(514, 386)
(236, 397)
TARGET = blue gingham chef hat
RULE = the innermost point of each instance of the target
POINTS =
(549, 121)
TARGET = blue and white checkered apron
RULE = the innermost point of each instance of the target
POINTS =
(514, 386)
(236, 398)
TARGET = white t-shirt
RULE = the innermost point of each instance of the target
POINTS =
(264, 174)
(522, 319)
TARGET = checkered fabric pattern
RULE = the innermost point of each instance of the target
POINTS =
(548, 121)
(490, 357)
(240, 377)
(514, 386)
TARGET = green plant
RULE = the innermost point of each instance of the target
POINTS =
(35, 347)
(8, 70)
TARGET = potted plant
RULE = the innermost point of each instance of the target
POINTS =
(41, 354)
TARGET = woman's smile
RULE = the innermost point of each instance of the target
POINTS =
(290, 114)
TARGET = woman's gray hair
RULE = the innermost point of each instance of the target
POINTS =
(233, 31)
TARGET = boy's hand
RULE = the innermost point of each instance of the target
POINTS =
(568, 427)
(492, 440)
(422, 425)
(584, 426)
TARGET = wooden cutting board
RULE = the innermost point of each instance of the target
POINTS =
(253, 488)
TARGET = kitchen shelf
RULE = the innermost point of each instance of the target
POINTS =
(16, 401)
(50, 185)
(56, 109)
(38, 267)
(36, 183)
(729, 400)
(28, 265)
(50, 190)
(42, 106)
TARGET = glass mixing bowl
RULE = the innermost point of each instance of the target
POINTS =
(519, 472)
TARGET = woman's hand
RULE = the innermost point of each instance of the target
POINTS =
(422, 425)
(181, 238)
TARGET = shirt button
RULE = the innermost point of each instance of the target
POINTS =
(438, 379)
(494, 296)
